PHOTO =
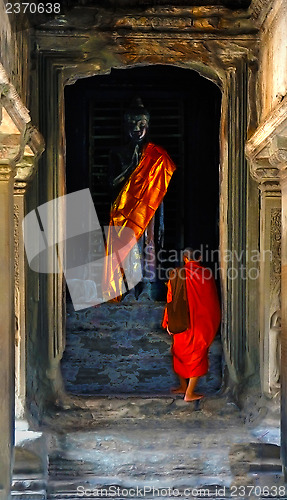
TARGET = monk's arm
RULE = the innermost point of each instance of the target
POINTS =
(168, 299)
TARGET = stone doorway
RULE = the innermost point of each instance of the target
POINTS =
(232, 67)
(119, 348)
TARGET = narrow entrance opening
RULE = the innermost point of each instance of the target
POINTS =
(117, 348)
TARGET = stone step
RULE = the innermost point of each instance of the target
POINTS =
(28, 486)
(30, 464)
(29, 495)
(260, 457)
(147, 491)
(161, 442)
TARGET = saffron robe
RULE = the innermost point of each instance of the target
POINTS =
(190, 347)
(134, 208)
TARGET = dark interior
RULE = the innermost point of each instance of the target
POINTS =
(103, 352)
(185, 115)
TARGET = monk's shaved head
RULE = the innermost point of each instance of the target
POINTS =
(188, 253)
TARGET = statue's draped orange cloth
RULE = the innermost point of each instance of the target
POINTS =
(190, 348)
(134, 208)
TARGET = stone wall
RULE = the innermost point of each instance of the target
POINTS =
(273, 75)
(192, 38)
(15, 50)
(267, 152)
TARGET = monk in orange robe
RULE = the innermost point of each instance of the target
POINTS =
(192, 316)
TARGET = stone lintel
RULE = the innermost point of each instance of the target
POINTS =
(267, 148)
(88, 55)
(208, 19)
(191, 21)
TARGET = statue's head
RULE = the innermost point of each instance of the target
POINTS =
(137, 121)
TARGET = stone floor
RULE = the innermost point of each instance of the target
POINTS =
(120, 433)
(157, 447)
(122, 349)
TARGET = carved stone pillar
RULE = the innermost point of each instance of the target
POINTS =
(270, 286)
(234, 285)
(284, 317)
(278, 160)
(9, 149)
(267, 151)
(16, 133)
(7, 325)
(20, 341)
(51, 186)
(24, 172)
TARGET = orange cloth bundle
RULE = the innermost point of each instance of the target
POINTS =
(134, 208)
(144, 190)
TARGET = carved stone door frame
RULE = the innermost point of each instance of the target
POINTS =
(20, 146)
(267, 152)
(183, 37)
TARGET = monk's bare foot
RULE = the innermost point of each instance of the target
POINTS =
(178, 390)
(192, 397)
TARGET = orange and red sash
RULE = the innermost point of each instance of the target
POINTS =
(134, 208)
(144, 190)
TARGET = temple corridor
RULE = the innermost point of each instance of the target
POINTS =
(86, 409)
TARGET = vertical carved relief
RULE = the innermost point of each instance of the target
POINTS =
(275, 240)
(19, 302)
(20, 356)
(275, 300)
(17, 273)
